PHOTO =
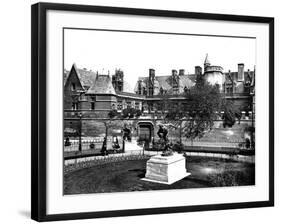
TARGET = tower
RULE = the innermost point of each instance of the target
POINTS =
(118, 80)
(213, 74)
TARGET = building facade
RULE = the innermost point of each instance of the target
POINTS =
(94, 94)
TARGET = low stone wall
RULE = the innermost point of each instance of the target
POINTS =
(239, 158)
(81, 163)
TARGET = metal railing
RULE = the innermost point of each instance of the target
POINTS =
(86, 162)
(80, 163)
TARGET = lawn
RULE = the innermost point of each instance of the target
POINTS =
(126, 176)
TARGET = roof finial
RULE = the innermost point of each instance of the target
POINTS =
(207, 62)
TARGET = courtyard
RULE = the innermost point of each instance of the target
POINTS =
(125, 176)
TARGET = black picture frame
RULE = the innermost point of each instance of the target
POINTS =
(39, 108)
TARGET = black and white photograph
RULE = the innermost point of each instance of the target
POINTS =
(140, 111)
(150, 111)
(132, 111)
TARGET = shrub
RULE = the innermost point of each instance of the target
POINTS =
(231, 178)
(112, 114)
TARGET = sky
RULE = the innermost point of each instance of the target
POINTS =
(136, 53)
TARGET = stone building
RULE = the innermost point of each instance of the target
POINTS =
(236, 86)
(94, 94)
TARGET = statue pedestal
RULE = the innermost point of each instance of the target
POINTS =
(165, 169)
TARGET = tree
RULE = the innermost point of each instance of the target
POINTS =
(196, 114)
(204, 102)
(138, 113)
(131, 113)
(230, 113)
(108, 125)
(112, 114)
(126, 113)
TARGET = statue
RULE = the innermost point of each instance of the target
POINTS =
(162, 133)
(164, 141)
(67, 142)
(127, 134)
(168, 167)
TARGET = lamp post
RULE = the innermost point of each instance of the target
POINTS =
(253, 114)
(80, 132)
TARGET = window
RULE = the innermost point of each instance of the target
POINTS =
(92, 106)
(229, 90)
(137, 105)
(119, 105)
(73, 86)
(74, 106)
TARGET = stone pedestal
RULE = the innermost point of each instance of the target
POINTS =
(165, 169)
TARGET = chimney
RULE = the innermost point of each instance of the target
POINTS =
(174, 72)
(151, 73)
(198, 70)
(181, 72)
(240, 72)
(140, 89)
(151, 82)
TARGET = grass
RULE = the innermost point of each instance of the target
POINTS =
(126, 176)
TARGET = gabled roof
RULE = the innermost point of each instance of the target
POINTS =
(249, 76)
(86, 77)
(102, 85)
(229, 77)
(74, 73)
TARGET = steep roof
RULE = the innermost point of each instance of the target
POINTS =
(233, 76)
(102, 85)
(127, 87)
(207, 61)
(165, 82)
(87, 77)
(130, 95)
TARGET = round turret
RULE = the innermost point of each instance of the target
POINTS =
(213, 74)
